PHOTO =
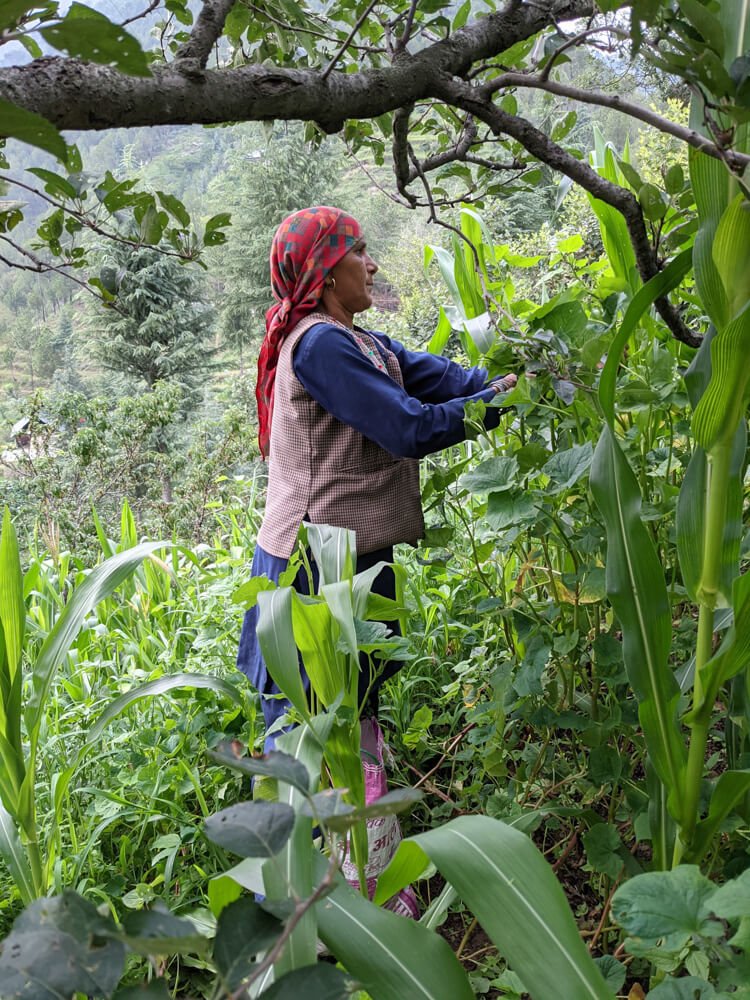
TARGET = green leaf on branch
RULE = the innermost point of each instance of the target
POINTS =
(565, 468)
(396, 801)
(59, 946)
(244, 928)
(273, 765)
(29, 127)
(89, 35)
(251, 829)
(156, 931)
(491, 476)
(666, 908)
(603, 845)
(316, 982)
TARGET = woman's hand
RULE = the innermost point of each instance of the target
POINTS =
(505, 383)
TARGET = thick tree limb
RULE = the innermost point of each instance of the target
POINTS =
(77, 95)
(206, 31)
(541, 146)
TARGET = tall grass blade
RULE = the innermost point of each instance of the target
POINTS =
(100, 583)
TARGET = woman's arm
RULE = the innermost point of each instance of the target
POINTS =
(348, 385)
(432, 378)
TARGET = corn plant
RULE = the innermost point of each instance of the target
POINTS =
(709, 513)
(268, 948)
(27, 674)
(330, 630)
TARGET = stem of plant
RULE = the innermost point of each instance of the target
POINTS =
(718, 476)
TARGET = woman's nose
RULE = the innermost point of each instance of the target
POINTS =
(372, 267)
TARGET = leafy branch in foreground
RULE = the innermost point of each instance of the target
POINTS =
(419, 76)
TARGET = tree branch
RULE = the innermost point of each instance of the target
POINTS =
(401, 152)
(73, 94)
(737, 161)
(345, 44)
(206, 31)
(541, 146)
(41, 267)
(459, 152)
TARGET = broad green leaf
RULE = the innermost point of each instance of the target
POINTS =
(334, 550)
(54, 184)
(390, 804)
(61, 925)
(730, 789)
(407, 865)
(712, 188)
(734, 653)
(313, 982)
(338, 597)
(251, 829)
(685, 988)
(492, 475)
(14, 856)
(707, 25)
(665, 906)
(274, 764)
(29, 127)
(276, 640)
(565, 468)
(292, 869)
(316, 633)
(441, 335)
(89, 35)
(638, 592)
(175, 207)
(602, 845)
(390, 957)
(498, 871)
(13, 10)
(156, 931)
(12, 627)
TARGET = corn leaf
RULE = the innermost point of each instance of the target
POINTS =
(276, 640)
(392, 958)
(691, 503)
(725, 400)
(513, 893)
(14, 856)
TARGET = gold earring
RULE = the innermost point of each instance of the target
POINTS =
(332, 284)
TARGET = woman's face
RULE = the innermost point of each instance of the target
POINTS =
(353, 276)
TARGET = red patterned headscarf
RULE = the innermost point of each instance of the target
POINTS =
(305, 248)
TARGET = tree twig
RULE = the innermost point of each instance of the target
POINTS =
(206, 31)
(345, 45)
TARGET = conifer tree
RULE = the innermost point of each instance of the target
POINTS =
(162, 326)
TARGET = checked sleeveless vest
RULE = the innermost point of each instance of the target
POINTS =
(325, 472)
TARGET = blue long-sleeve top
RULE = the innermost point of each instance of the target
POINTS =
(426, 415)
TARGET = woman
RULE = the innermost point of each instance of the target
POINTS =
(345, 414)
